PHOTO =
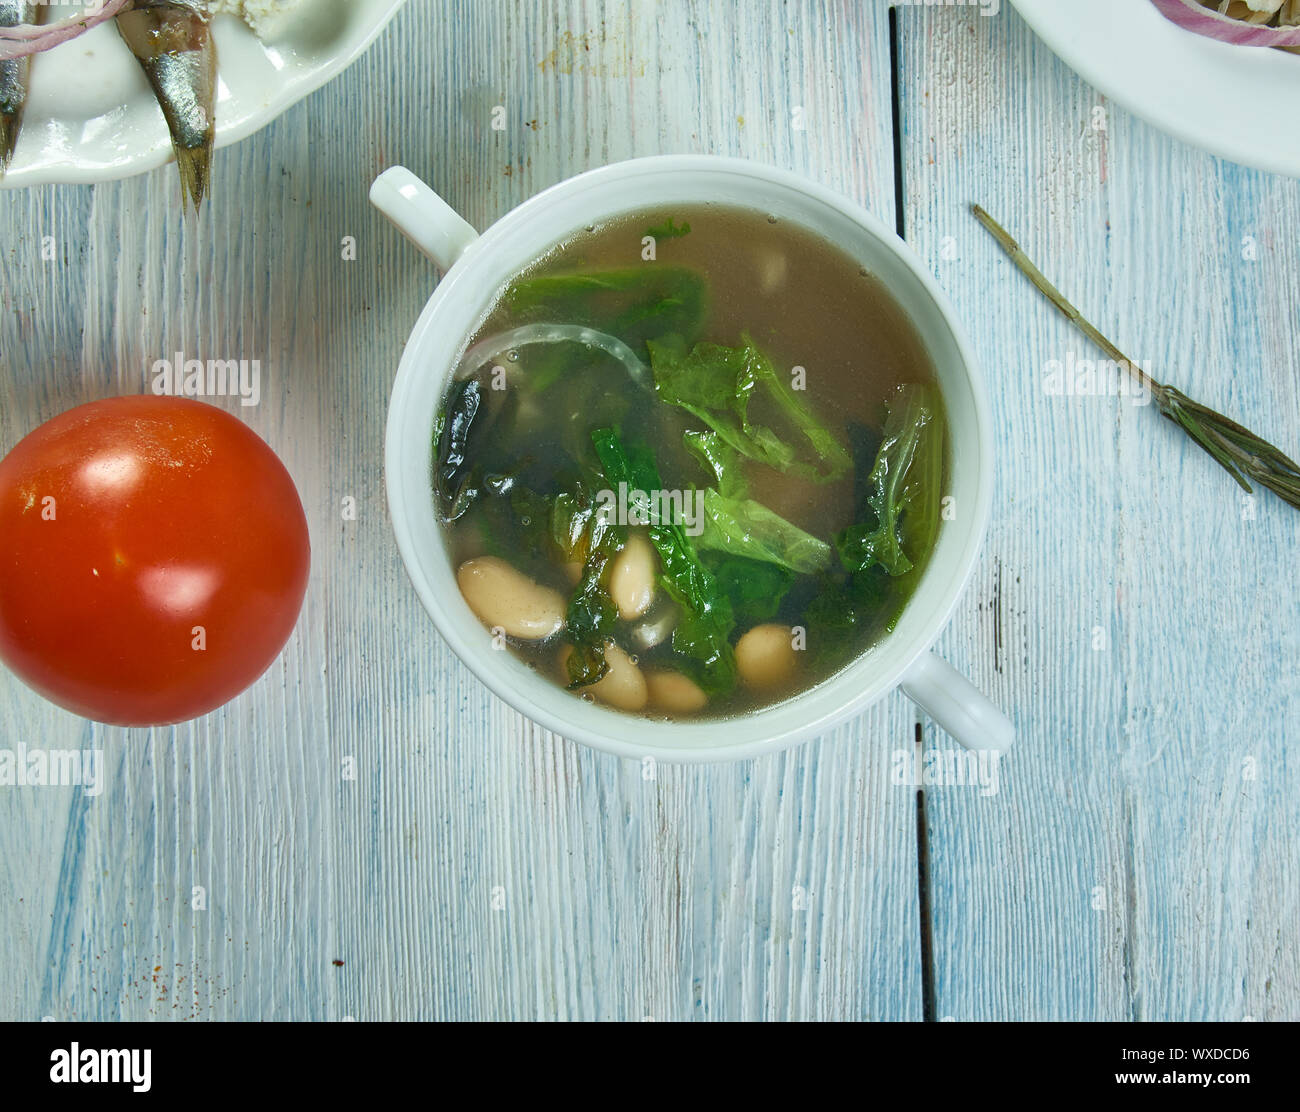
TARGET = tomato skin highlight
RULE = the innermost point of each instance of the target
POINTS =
(154, 557)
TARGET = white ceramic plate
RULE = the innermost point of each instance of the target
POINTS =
(1235, 101)
(91, 116)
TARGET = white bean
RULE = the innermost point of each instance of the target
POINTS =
(506, 599)
(673, 692)
(766, 658)
(624, 685)
(632, 578)
(655, 629)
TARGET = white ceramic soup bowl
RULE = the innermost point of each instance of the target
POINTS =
(478, 267)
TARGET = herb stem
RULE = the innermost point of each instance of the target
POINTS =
(1240, 452)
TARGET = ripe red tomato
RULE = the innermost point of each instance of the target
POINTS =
(153, 559)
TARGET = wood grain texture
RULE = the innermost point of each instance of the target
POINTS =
(621, 897)
(1137, 614)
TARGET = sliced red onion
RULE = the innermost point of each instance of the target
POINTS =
(530, 334)
(1194, 16)
(28, 38)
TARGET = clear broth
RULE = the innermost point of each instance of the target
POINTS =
(807, 305)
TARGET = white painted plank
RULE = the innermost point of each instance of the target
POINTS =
(1128, 869)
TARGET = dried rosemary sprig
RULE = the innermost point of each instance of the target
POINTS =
(1241, 453)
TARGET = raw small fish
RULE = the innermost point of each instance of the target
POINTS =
(13, 81)
(173, 42)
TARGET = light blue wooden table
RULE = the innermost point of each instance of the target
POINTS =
(1139, 619)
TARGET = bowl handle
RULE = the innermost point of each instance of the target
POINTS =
(952, 701)
(422, 216)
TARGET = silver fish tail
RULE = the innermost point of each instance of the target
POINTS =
(13, 81)
(173, 41)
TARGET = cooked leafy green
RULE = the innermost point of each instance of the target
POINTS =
(586, 536)
(925, 489)
(902, 499)
(740, 526)
(638, 305)
(590, 623)
(841, 610)
(717, 385)
(571, 521)
(755, 590)
(706, 619)
(898, 487)
(669, 230)
(532, 518)
(720, 460)
(453, 474)
(743, 527)
(548, 365)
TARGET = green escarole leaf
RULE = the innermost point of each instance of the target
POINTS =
(703, 632)
(743, 527)
(454, 475)
(590, 623)
(739, 526)
(637, 305)
(904, 483)
(755, 590)
(717, 386)
(842, 609)
(720, 460)
(670, 229)
(584, 535)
